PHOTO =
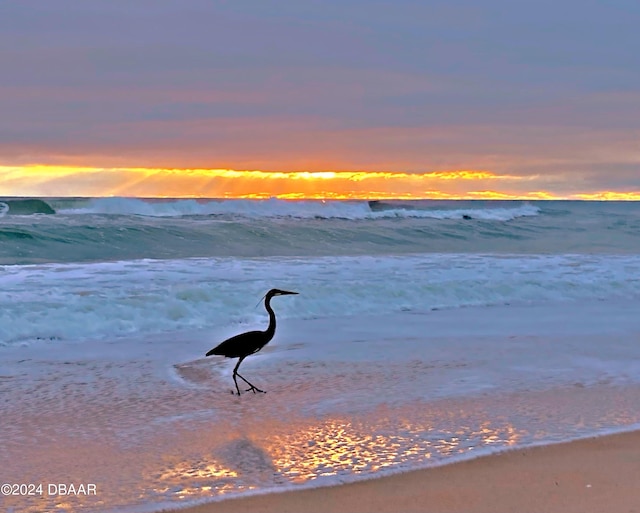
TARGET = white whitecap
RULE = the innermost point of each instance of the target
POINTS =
(276, 208)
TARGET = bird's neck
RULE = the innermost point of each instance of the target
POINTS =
(272, 318)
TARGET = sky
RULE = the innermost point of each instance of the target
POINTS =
(306, 98)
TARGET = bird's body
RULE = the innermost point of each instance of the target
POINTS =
(242, 345)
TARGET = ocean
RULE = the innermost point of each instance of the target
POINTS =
(424, 332)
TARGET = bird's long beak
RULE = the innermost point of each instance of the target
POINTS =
(276, 292)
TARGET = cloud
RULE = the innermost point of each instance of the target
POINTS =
(543, 88)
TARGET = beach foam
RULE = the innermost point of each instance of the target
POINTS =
(348, 398)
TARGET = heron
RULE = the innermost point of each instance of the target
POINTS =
(242, 345)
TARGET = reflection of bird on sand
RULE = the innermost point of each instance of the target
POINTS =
(250, 342)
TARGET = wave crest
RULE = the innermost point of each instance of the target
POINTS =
(25, 207)
(276, 208)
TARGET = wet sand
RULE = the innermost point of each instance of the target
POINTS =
(587, 476)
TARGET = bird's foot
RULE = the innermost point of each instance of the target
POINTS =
(255, 389)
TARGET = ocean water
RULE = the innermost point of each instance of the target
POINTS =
(424, 332)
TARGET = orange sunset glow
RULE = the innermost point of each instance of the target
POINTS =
(229, 183)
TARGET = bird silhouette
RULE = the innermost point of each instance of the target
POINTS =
(244, 344)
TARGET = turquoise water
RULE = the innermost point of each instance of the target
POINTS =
(89, 230)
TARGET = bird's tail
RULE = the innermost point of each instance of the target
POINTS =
(212, 352)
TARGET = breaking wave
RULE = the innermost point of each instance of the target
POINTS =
(24, 207)
(276, 208)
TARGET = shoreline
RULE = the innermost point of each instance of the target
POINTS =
(588, 475)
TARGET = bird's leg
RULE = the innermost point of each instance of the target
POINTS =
(234, 380)
(254, 388)
(235, 373)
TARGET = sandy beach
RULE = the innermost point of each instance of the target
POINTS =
(592, 475)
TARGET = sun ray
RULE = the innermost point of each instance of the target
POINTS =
(40, 180)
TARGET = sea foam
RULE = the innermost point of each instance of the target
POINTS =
(102, 300)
